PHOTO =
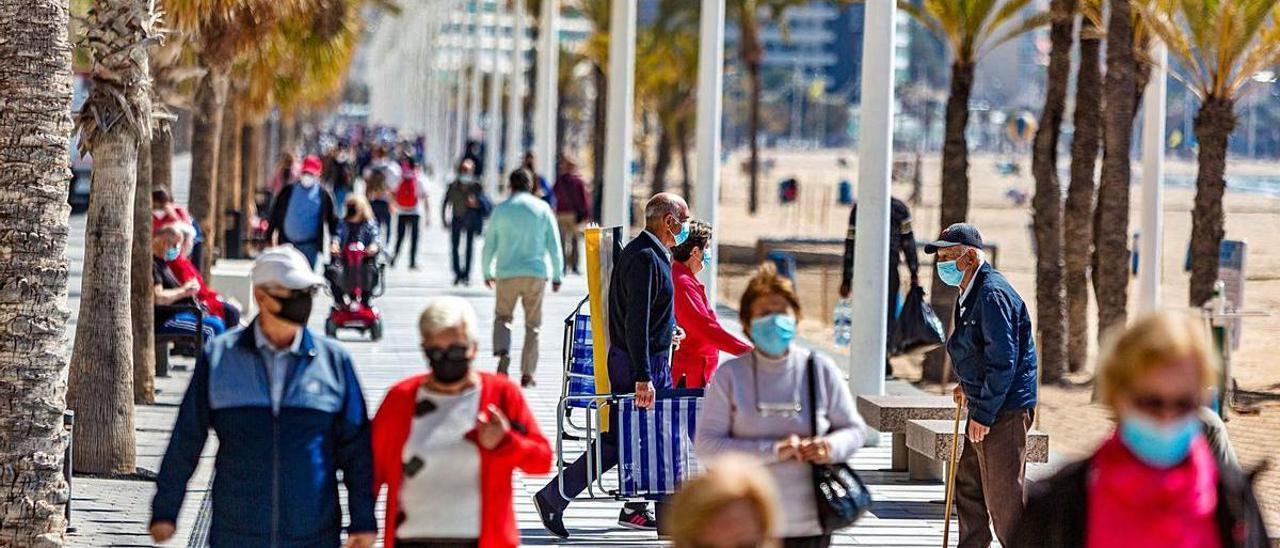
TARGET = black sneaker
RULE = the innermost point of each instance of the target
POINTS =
(552, 521)
(640, 520)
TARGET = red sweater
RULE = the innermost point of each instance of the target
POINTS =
(705, 338)
(524, 448)
(184, 270)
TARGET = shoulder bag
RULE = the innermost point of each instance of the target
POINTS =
(841, 495)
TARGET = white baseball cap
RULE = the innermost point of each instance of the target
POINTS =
(284, 266)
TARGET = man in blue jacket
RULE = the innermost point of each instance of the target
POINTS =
(642, 329)
(289, 414)
(994, 356)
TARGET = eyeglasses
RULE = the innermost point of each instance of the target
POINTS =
(1157, 406)
(452, 352)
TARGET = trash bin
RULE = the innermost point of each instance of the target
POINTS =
(785, 262)
(232, 235)
(844, 191)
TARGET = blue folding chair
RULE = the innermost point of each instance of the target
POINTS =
(579, 370)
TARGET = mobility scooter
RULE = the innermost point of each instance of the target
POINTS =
(355, 278)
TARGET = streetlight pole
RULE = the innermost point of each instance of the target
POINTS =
(515, 105)
(875, 160)
(1151, 245)
(710, 111)
(548, 69)
(622, 69)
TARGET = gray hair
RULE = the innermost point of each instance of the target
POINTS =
(170, 229)
(663, 204)
(445, 313)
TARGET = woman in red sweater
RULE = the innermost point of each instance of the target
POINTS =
(446, 443)
(699, 353)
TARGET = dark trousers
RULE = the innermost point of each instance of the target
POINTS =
(989, 481)
(382, 212)
(407, 222)
(576, 476)
(436, 543)
(819, 541)
(891, 321)
(458, 230)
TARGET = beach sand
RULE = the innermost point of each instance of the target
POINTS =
(1075, 426)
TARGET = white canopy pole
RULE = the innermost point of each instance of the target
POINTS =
(477, 71)
(547, 99)
(1151, 245)
(618, 134)
(710, 110)
(493, 132)
(460, 99)
(515, 104)
(875, 160)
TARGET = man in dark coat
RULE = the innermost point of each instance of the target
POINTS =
(902, 244)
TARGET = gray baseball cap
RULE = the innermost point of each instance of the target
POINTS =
(284, 266)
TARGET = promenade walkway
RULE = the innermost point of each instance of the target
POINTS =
(109, 512)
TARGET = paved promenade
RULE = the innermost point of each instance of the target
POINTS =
(115, 512)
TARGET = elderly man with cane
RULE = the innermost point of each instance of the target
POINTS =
(994, 356)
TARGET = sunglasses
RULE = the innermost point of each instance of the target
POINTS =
(453, 352)
(1156, 406)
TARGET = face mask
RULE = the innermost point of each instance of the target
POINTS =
(158, 213)
(171, 254)
(296, 308)
(772, 334)
(950, 273)
(308, 180)
(351, 212)
(683, 234)
(706, 259)
(449, 365)
(1160, 446)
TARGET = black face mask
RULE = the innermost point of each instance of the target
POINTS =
(295, 308)
(449, 365)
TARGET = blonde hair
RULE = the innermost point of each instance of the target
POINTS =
(448, 313)
(1151, 342)
(766, 281)
(364, 211)
(729, 479)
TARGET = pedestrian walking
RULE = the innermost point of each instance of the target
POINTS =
(522, 235)
(411, 198)
(283, 174)
(1156, 480)
(994, 355)
(447, 443)
(166, 246)
(902, 245)
(759, 404)
(337, 173)
(541, 187)
(733, 505)
(573, 208)
(303, 213)
(465, 207)
(379, 178)
(641, 333)
(699, 353)
(289, 414)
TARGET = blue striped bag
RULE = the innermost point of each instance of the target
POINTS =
(582, 380)
(656, 446)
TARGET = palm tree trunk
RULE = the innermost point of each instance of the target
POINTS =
(1112, 229)
(228, 172)
(141, 298)
(598, 128)
(1078, 215)
(100, 386)
(1213, 125)
(162, 156)
(1051, 314)
(35, 71)
(682, 144)
(752, 57)
(663, 161)
(250, 151)
(205, 136)
(955, 199)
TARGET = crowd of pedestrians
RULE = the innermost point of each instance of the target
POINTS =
(442, 449)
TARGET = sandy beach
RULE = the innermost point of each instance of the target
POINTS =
(1075, 426)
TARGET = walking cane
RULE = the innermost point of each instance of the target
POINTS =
(951, 477)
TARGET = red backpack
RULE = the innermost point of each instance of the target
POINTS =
(407, 192)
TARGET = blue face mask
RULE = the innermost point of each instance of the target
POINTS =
(1160, 446)
(950, 273)
(773, 334)
(171, 254)
(683, 234)
(706, 259)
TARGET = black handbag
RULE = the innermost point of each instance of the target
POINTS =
(841, 495)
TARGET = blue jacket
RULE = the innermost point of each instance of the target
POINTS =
(992, 348)
(642, 316)
(274, 476)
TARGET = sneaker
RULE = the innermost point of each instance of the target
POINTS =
(640, 520)
(552, 521)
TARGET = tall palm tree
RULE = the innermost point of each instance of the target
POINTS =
(596, 51)
(35, 72)
(970, 29)
(1218, 46)
(1077, 226)
(115, 120)
(667, 73)
(1051, 314)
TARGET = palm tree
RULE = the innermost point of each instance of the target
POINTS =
(667, 71)
(1217, 71)
(1077, 226)
(115, 120)
(1050, 306)
(35, 72)
(970, 29)
(596, 50)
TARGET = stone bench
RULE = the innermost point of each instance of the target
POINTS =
(890, 415)
(929, 442)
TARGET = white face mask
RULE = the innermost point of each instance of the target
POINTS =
(308, 180)
(158, 213)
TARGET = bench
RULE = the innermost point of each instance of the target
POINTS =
(929, 442)
(163, 340)
(890, 415)
(231, 279)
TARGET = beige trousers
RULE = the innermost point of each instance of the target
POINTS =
(569, 234)
(528, 291)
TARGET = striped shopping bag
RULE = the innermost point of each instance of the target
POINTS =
(582, 381)
(656, 446)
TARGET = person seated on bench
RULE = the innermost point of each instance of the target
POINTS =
(166, 246)
(214, 303)
(357, 225)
